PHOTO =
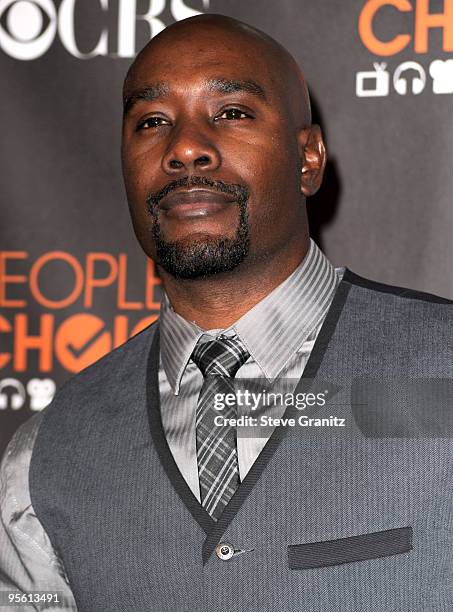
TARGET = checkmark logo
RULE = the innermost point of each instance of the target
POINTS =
(80, 345)
(81, 340)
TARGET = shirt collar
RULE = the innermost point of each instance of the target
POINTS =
(283, 320)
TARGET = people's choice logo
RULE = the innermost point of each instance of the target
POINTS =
(410, 77)
(442, 75)
(55, 313)
(373, 82)
(13, 395)
(29, 27)
(41, 392)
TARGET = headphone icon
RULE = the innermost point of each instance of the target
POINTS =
(400, 81)
(17, 398)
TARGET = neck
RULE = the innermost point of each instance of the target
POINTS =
(218, 301)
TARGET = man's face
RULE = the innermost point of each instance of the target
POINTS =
(210, 157)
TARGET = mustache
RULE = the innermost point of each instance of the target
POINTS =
(239, 192)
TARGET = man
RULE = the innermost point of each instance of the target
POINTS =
(123, 494)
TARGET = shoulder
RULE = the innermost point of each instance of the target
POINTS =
(29, 562)
(397, 319)
(115, 382)
(395, 306)
(14, 472)
(16, 458)
(388, 291)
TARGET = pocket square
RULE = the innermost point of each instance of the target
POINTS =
(353, 548)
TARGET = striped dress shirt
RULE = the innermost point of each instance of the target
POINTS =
(278, 332)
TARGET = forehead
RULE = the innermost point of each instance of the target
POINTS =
(194, 61)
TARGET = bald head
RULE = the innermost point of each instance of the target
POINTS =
(191, 37)
(219, 152)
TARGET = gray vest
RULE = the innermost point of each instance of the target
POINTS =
(352, 519)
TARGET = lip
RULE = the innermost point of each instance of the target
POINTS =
(193, 199)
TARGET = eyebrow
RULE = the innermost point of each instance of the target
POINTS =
(152, 92)
(149, 93)
(230, 86)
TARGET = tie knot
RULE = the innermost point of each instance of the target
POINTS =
(220, 357)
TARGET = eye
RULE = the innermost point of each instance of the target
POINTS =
(233, 114)
(151, 122)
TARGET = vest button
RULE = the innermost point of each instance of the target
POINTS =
(224, 551)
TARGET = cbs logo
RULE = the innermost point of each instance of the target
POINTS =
(29, 27)
(26, 36)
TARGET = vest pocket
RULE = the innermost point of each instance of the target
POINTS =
(347, 550)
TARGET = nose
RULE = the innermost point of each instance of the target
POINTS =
(190, 150)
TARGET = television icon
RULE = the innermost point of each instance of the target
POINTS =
(373, 83)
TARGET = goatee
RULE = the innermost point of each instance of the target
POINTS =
(201, 257)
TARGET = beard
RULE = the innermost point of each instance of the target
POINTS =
(194, 258)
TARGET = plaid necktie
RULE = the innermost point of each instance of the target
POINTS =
(218, 360)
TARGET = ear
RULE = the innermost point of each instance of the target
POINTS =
(313, 155)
